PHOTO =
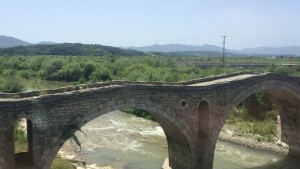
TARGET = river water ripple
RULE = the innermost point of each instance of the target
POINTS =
(123, 141)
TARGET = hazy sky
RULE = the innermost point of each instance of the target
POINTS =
(246, 23)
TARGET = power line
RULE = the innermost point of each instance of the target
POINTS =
(224, 50)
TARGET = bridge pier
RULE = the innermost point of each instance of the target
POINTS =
(291, 137)
(7, 155)
(204, 154)
(289, 109)
(201, 157)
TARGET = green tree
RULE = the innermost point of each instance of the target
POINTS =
(258, 104)
(51, 68)
(88, 70)
(11, 84)
(100, 75)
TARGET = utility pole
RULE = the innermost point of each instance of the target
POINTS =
(224, 51)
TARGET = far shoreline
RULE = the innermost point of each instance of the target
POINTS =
(277, 148)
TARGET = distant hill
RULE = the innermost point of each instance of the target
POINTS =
(46, 43)
(170, 49)
(6, 41)
(68, 49)
(203, 53)
(291, 50)
(212, 50)
(181, 48)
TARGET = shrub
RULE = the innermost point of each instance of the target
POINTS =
(50, 69)
(59, 163)
(100, 75)
(88, 70)
(258, 104)
(139, 113)
(11, 84)
(20, 140)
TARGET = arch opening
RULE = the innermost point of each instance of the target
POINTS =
(263, 119)
(121, 140)
(255, 117)
(177, 141)
(23, 142)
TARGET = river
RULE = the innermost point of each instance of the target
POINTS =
(123, 141)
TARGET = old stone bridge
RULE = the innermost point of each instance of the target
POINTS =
(191, 113)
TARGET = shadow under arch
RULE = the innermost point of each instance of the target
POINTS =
(175, 131)
(286, 98)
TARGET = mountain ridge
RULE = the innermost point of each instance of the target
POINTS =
(7, 41)
(293, 50)
(180, 48)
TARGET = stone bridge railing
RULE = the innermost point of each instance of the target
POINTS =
(112, 83)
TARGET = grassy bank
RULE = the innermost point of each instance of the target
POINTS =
(243, 124)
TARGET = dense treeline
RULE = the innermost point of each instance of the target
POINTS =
(68, 49)
(83, 69)
(91, 69)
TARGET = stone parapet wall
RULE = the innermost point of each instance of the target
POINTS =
(113, 83)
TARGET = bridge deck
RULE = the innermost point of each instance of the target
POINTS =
(223, 80)
(219, 79)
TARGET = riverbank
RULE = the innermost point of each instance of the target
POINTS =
(231, 136)
(70, 153)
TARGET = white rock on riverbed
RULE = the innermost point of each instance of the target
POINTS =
(93, 166)
(166, 164)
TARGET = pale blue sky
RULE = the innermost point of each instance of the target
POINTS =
(247, 23)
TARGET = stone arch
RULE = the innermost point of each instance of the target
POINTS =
(266, 86)
(153, 108)
(33, 119)
(281, 92)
